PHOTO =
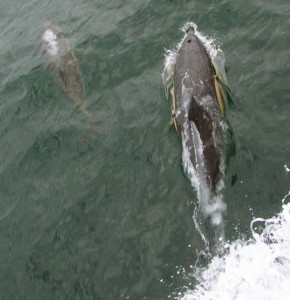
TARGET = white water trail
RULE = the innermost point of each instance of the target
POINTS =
(258, 268)
(209, 205)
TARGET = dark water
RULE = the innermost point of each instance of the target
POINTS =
(108, 215)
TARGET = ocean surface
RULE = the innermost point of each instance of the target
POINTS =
(100, 207)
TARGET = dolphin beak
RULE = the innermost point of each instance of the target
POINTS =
(190, 29)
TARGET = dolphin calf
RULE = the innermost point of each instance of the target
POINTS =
(62, 63)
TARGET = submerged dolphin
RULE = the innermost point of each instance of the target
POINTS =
(62, 63)
(198, 91)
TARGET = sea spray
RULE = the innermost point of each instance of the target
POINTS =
(257, 268)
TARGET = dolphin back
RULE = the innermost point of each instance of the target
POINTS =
(199, 108)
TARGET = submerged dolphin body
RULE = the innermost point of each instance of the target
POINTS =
(62, 63)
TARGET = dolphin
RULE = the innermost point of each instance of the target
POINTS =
(61, 61)
(198, 91)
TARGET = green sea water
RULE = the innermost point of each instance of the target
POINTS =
(107, 214)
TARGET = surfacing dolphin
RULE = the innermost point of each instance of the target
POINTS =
(62, 63)
(198, 109)
(198, 87)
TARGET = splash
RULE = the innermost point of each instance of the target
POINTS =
(255, 269)
(51, 39)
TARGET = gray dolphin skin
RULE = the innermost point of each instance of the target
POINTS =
(198, 108)
(62, 63)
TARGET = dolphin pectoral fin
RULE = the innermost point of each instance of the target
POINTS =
(173, 122)
(173, 116)
(219, 79)
(167, 79)
(226, 92)
(169, 92)
(221, 74)
(166, 91)
(218, 62)
(222, 82)
(220, 96)
(168, 86)
(173, 104)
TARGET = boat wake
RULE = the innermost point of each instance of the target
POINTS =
(257, 268)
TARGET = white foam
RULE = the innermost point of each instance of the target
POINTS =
(255, 269)
(210, 205)
(51, 41)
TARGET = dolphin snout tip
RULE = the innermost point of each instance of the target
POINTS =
(190, 29)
